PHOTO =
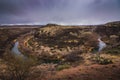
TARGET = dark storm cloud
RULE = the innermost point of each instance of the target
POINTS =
(59, 11)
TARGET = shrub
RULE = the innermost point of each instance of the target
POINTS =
(17, 68)
(101, 60)
(64, 66)
(46, 57)
(73, 56)
(89, 40)
(113, 51)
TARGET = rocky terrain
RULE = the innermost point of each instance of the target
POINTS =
(65, 52)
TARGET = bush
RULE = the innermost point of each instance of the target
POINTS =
(17, 68)
(89, 40)
(61, 67)
(113, 51)
(73, 56)
(102, 60)
(46, 57)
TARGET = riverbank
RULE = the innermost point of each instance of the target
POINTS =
(8, 35)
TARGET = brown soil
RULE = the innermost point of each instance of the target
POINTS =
(92, 72)
(88, 71)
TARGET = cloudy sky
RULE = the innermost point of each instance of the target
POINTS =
(59, 11)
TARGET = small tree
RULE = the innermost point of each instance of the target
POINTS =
(90, 41)
(17, 68)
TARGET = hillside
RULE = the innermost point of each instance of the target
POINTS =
(64, 39)
(7, 35)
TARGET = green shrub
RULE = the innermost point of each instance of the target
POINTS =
(102, 60)
(64, 66)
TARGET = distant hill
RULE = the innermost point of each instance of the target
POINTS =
(111, 28)
(117, 23)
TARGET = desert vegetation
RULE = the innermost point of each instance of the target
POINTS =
(56, 52)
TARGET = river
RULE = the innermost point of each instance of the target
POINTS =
(16, 51)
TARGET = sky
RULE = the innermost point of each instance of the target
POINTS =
(68, 12)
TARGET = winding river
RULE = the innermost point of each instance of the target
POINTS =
(16, 51)
(101, 44)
